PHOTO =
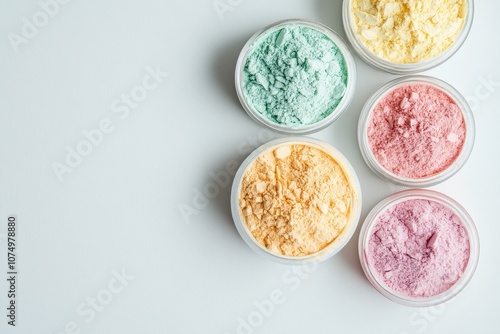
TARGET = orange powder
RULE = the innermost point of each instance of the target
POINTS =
(296, 199)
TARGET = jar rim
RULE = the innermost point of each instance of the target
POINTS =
(436, 178)
(338, 111)
(400, 68)
(434, 196)
(338, 243)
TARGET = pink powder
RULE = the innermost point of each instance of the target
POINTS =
(416, 131)
(418, 248)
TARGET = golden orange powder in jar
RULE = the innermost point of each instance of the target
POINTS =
(296, 199)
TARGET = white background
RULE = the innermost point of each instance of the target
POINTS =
(119, 209)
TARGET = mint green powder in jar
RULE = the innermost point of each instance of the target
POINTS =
(296, 76)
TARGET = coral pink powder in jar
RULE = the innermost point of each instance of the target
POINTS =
(416, 131)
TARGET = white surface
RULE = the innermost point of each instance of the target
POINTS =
(120, 208)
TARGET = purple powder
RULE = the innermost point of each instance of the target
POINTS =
(419, 248)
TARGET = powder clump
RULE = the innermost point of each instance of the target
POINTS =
(295, 76)
(418, 248)
(408, 31)
(296, 200)
(416, 131)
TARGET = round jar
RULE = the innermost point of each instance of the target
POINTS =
(296, 200)
(406, 39)
(419, 248)
(416, 131)
(295, 76)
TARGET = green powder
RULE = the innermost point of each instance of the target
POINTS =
(295, 76)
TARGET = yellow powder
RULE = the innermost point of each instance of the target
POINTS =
(296, 199)
(408, 31)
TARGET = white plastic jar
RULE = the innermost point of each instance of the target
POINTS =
(368, 230)
(425, 181)
(397, 67)
(354, 208)
(253, 44)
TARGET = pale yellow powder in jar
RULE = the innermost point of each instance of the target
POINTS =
(296, 199)
(408, 31)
